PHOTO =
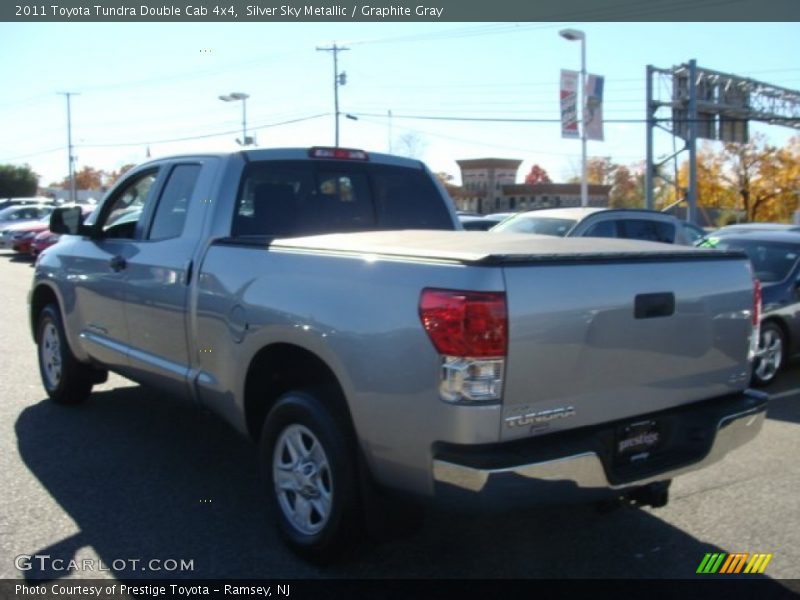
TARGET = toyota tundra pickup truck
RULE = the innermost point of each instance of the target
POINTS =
(325, 303)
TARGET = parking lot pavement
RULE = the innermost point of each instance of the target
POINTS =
(133, 475)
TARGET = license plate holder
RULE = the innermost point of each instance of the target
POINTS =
(637, 441)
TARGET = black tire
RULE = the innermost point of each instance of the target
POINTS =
(771, 354)
(316, 508)
(66, 380)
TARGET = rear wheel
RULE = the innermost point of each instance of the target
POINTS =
(66, 380)
(771, 354)
(308, 462)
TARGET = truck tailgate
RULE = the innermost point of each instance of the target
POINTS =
(592, 341)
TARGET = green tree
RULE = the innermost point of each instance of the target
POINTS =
(16, 182)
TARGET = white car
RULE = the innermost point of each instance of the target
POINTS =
(634, 224)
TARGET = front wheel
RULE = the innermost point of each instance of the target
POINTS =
(308, 462)
(771, 354)
(66, 380)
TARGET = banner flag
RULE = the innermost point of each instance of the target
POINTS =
(569, 104)
(594, 107)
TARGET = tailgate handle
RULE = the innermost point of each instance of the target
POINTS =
(651, 306)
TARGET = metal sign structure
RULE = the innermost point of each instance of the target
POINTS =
(689, 102)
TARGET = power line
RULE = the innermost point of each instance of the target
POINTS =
(37, 153)
(202, 136)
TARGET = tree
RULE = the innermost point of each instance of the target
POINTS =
(16, 182)
(537, 175)
(625, 189)
(756, 178)
(88, 178)
(411, 145)
(765, 178)
(112, 177)
(627, 182)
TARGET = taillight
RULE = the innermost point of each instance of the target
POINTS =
(756, 302)
(755, 335)
(470, 331)
(465, 323)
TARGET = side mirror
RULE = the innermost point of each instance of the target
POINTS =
(67, 220)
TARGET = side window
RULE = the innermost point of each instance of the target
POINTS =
(119, 220)
(173, 205)
(652, 231)
(606, 229)
(270, 199)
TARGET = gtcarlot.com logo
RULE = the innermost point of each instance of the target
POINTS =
(44, 562)
(732, 564)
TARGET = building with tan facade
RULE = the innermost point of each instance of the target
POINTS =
(488, 185)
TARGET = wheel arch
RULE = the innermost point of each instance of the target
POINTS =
(41, 296)
(787, 336)
(280, 367)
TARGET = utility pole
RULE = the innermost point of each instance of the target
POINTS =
(72, 192)
(338, 79)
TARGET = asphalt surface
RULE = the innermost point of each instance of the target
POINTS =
(134, 475)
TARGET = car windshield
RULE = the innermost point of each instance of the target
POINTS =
(541, 225)
(772, 261)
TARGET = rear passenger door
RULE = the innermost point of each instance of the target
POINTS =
(158, 273)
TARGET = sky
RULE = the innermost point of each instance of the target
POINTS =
(140, 85)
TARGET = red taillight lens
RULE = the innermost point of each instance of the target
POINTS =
(756, 302)
(473, 324)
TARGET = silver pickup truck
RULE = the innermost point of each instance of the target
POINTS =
(323, 302)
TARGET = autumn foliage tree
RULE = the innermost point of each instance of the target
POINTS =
(87, 178)
(758, 179)
(537, 175)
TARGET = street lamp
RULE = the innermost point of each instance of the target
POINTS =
(234, 97)
(577, 35)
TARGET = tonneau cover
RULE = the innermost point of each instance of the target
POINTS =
(486, 247)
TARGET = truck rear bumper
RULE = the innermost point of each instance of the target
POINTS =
(695, 436)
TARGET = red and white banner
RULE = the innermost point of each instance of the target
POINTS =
(569, 104)
(594, 107)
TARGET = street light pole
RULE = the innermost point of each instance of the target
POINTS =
(233, 97)
(573, 35)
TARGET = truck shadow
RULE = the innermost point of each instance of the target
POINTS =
(146, 478)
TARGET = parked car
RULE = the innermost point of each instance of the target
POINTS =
(12, 215)
(775, 257)
(324, 303)
(693, 233)
(480, 223)
(741, 228)
(597, 222)
(37, 200)
(22, 235)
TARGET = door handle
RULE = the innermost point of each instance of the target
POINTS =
(117, 263)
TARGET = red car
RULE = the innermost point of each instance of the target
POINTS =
(22, 235)
(43, 240)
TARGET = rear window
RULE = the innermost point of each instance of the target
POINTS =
(771, 261)
(295, 198)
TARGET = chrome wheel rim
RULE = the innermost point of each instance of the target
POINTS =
(770, 354)
(50, 355)
(303, 480)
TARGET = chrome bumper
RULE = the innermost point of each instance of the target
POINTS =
(586, 470)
